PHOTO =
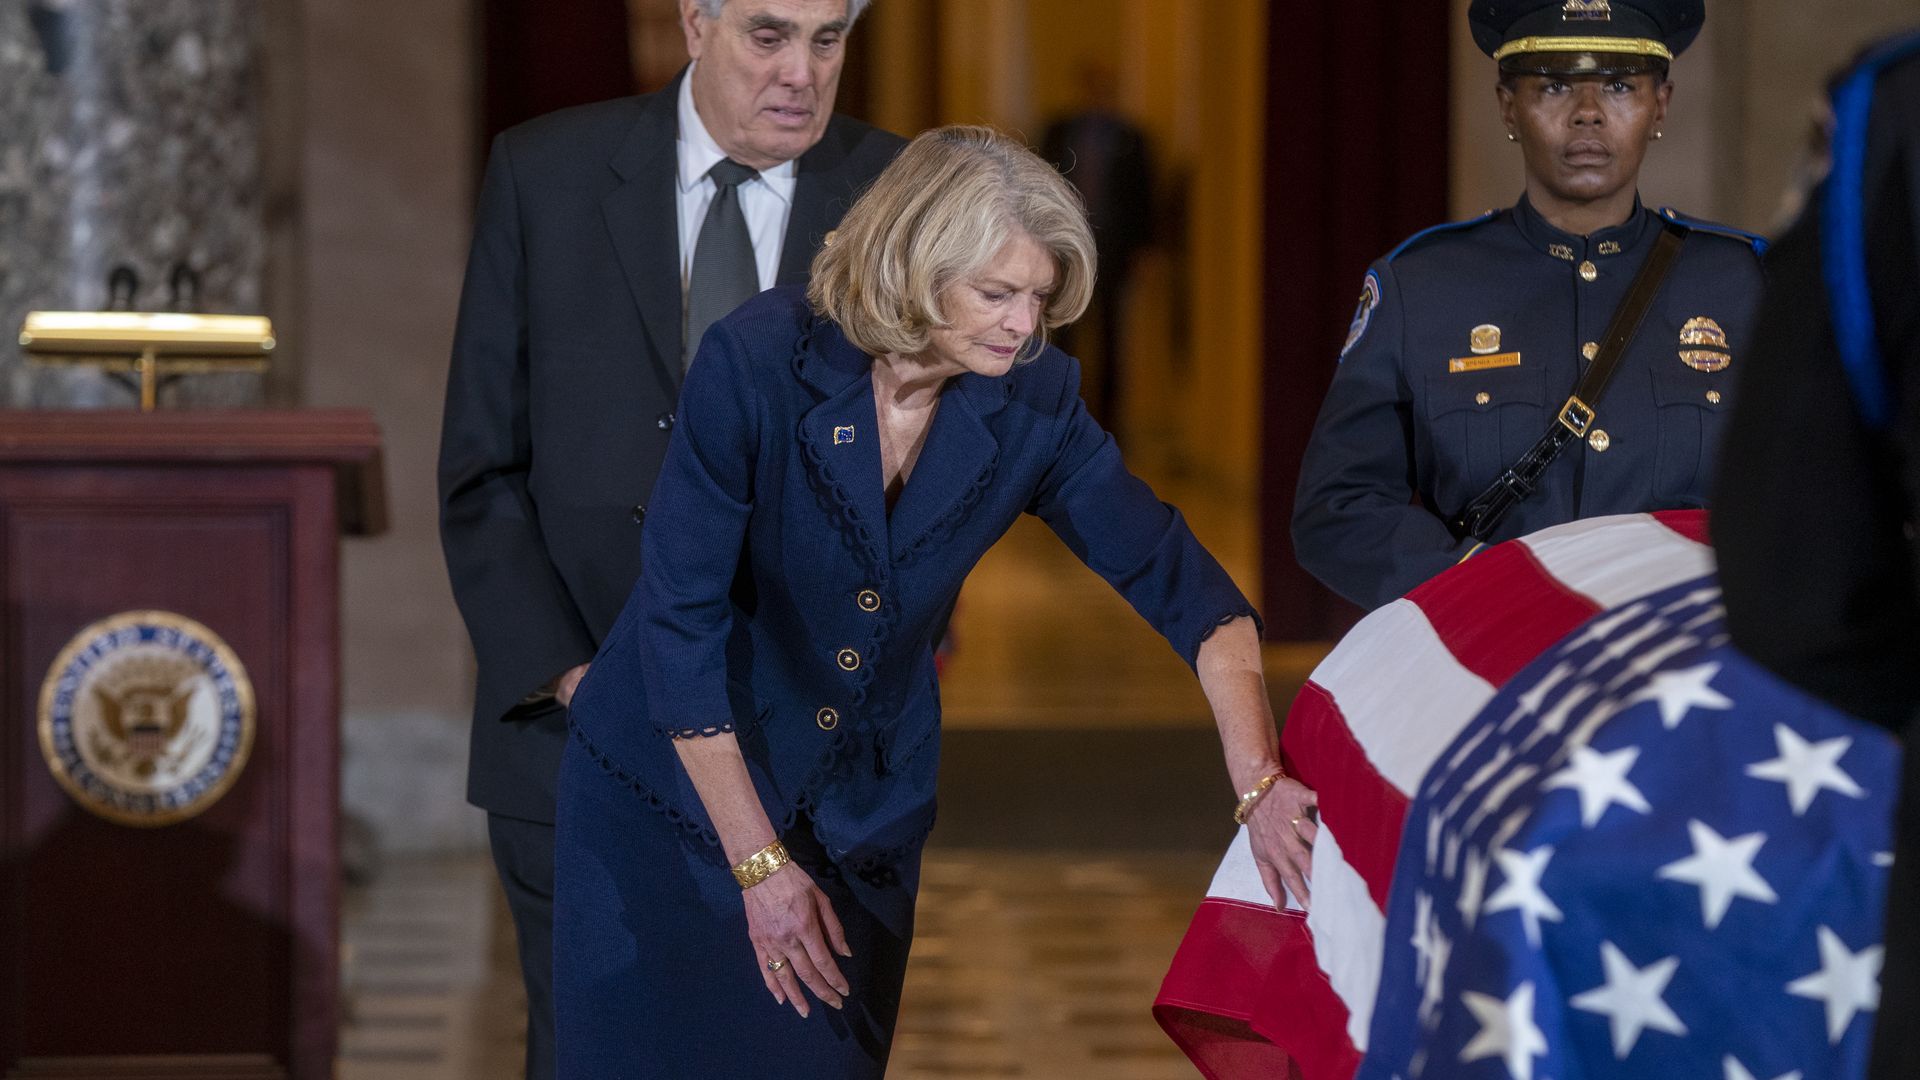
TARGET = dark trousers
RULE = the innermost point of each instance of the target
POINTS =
(523, 854)
(1896, 1041)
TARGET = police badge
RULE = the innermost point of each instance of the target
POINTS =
(146, 718)
(1703, 345)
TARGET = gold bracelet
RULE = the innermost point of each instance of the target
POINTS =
(760, 865)
(1252, 798)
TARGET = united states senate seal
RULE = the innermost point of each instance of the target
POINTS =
(146, 718)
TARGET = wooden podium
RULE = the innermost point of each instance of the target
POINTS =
(169, 668)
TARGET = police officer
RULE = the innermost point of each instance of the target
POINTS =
(1472, 339)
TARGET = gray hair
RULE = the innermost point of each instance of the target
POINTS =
(711, 9)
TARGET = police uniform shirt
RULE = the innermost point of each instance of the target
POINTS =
(1468, 339)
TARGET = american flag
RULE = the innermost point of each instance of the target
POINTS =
(1627, 851)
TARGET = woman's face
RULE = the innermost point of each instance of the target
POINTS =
(1584, 136)
(992, 314)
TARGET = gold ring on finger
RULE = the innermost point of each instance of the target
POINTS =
(776, 965)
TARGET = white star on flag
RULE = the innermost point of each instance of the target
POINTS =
(1807, 768)
(1434, 991)
(1680, 692)
(1522, 891)
(1847, 981)
(1422, 939)
(1507, 1031)
(1630, 999)
(1601, 780)
(1473, 887)
(1723, 869)
(1737, 1071)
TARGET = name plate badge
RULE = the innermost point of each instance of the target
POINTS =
(1481, 363)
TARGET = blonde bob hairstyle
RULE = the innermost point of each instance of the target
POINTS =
(936, 217)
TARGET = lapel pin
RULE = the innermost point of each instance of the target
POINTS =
(843, 435)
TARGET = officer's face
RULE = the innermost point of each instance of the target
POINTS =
(1584, 136)
(993, 313)
(767, 75)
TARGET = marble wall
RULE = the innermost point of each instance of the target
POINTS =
(131, 133)
(388, 174)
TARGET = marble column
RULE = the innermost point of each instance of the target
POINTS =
(131, 134)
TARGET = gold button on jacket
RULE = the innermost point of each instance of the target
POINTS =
(828, 718)
(868, 600)
(1600, 440)
(848, 659)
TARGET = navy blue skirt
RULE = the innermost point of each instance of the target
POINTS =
(653, 973)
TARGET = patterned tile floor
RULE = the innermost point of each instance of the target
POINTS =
(1026, 964)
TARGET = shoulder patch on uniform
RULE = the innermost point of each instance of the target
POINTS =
(1436, 231)
(1758, 242)
(1362, 316)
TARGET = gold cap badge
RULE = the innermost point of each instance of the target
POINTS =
(1485, 339)
(1703, 345)
(1587, 11)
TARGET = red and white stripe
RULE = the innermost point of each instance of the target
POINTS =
(1258, 992)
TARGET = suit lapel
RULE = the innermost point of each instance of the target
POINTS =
(643, 221)
(819, 198)
(959, 457)
(841, 440)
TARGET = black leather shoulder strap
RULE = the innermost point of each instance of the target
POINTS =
(1482, 516)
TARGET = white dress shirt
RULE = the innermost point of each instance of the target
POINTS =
(766, 202)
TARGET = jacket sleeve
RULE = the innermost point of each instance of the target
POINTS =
(1356, 526)
(1141, 546)
(1810, 531)
(692, 542)
(523, 622)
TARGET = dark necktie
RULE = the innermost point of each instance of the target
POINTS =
(725, 273)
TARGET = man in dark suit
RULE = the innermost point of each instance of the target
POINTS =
(607, 238)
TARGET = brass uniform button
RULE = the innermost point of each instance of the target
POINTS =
(868, 600)
(1600, 440)
(1590, 350)
(848, 660)
(1589, 272)
(828, 718)
(1482, 398)
(1713, 397)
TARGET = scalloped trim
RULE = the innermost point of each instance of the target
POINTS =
(698, 732)
(672, 813)
(941, 530)
(1245, 610)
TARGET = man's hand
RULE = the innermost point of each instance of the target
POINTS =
(567, 683)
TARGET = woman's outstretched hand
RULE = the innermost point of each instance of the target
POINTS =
(792, 923)
(1281, 829)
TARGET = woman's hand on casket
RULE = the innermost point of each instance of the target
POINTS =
(1281, 829)
(792, 923)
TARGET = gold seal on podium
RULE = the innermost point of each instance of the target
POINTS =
(146, 718)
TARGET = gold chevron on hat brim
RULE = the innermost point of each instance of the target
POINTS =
(1623, 46)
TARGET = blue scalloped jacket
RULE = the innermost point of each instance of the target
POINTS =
(768, 542)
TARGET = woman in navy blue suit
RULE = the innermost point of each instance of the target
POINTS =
(751, 775)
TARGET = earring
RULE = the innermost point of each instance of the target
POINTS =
(1511, 137)
(1658, 135)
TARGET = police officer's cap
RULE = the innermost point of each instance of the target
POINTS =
(1585, 37)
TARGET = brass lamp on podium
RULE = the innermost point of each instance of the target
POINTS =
(149, 346)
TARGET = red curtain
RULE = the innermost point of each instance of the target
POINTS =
(1358, 105)
(542, 55)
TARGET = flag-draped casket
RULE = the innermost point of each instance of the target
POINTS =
(1566, 831)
